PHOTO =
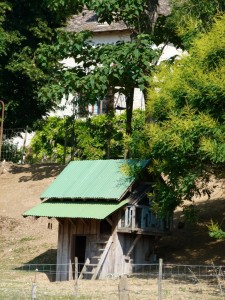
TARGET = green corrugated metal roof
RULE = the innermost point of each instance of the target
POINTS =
(91, 179)
(88, 210)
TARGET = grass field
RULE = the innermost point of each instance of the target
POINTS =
(18, 285)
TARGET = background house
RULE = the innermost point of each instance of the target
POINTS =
(104, 217)
(104, 33)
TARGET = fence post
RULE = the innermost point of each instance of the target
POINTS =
(123, 289)
(75, 277)
(34, 288)
(160, 279)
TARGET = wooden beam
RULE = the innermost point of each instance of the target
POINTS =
(84, 222)
(87, 262)
(103, 256)
(72, 222)
(133, 245)
(109, 221)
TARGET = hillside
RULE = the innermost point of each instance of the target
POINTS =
(29, 240)
(25, 240)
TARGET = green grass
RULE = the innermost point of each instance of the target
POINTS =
(27, 239)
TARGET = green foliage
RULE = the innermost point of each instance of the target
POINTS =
(215, 231)
(98, 137)
(186, 102)
(138, 15)
(190, 18)
(24, 25)
(117, 67)
(4, 36)
(30, 50)
(10, 150)
(47, 144)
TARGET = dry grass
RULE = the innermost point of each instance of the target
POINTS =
(16, 285)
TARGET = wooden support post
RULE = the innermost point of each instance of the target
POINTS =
(75, 277)
(133, 217)
(123, 289)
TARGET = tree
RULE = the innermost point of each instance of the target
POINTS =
(190, 18)
(117, 67)
(23, 26)
(53, 139)
(138, 15)
(186, 102)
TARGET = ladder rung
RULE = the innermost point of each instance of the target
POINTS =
(101, 242)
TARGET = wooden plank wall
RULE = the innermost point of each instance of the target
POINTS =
(62, 251)
(116, 261)
(68, 228)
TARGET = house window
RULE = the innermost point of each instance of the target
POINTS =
(143, 217)
(126, 217)
(146, 218)
(138, 217)
(99, 107)
(96, 109)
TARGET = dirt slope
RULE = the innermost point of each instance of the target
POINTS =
(24, 240)
(29, 240)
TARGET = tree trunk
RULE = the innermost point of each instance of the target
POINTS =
(152, 13)
(129, 110)
(129, 114)
(109, 102)
(110, 113)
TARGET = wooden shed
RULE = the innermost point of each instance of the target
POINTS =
(104, 215)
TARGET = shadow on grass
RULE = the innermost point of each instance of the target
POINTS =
(44, 263)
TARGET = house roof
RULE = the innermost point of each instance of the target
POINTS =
(87, 20)
(85, 209)
(95, 179)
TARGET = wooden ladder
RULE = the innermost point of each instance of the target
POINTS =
(92, 269)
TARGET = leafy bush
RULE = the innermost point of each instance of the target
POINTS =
(98, 137)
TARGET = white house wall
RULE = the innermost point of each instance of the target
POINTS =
(110, 38)
(65, 108)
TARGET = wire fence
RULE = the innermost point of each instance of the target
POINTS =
(16, 148)
(14, 143)
(145, 282)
